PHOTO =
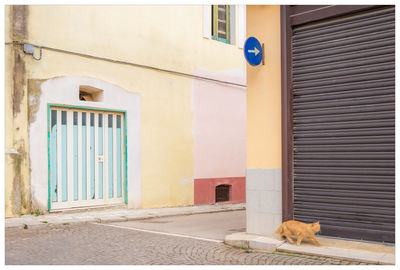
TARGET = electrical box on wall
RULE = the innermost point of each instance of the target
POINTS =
(29, 49)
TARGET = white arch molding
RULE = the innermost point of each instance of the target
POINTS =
(65, 91)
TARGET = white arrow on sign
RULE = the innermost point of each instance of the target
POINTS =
(255, 51)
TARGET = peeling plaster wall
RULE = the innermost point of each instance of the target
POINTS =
(17, 193)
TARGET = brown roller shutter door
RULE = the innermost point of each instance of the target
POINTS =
(343, 79)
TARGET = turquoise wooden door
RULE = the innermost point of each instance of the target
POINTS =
(86, 158)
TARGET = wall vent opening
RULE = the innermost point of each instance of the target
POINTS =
(222, 193)
(89, 93)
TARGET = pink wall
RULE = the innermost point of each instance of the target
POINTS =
(219, 132)
(219, 126)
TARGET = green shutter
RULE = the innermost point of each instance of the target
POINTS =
(215, 21)
(228, 26)
(215, 35)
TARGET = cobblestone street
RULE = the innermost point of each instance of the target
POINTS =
(104, 245)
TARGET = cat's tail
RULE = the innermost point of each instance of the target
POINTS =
(279, 230)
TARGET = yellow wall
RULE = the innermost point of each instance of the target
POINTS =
(168, 37)
(264, 90)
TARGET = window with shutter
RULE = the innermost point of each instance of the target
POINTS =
(220, 23)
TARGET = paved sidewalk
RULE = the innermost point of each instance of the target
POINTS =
(115, 215)
(371, 253)
(330, 247)
(107, 244)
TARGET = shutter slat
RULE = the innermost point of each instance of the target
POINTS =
(370, 69)
(355, 110)
(345, 163)
(344, 125)
(347, 79)
(347, 186)
(345, 133)
(345, 102)
(359, 179)
(345, 171)
(311, 60)
(344, 42)
(348, 155)
(346, 140)
(344, 34)
(344, 64)
(359, 48)
(304, 96)
(345, 117)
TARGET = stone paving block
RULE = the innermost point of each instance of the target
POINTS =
(13, 224)
(132, 217)
(240, 240)
(74, 221)
(388, 259)
(34, 222)
(112, 219)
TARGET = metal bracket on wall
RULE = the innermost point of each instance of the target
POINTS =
(263, 51)
(30, 49)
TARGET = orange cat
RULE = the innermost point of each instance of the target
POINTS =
(299, 229)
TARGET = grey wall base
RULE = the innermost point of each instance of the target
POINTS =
(264, 200)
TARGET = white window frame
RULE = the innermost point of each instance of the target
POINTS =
(237, 24)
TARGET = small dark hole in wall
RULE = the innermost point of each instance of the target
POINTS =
(89, 93)
(85, 96)
(222, 193)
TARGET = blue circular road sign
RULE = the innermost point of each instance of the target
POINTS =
(253, 51)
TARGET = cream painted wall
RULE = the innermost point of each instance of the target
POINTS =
(166, 120)
(168, 37)
(264, 91)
